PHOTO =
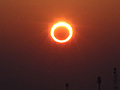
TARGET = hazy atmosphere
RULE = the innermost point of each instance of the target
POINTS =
(31, 60)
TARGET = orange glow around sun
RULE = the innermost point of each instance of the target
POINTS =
(61, 24)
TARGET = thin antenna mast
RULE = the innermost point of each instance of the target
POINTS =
(99, 81)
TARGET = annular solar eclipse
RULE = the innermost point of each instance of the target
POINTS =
(61, 24)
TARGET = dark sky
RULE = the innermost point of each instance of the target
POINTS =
(31, 60)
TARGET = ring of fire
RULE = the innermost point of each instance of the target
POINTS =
(63, 24)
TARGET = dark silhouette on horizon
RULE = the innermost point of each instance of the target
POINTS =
(99, 81)
(115, 79)
(67, 85)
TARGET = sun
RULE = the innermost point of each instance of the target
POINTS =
(61, 24)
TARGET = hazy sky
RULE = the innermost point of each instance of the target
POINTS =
(31, 60)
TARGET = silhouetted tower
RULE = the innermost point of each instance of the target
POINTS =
(66, 86)
(115, 79)
(99, 81)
